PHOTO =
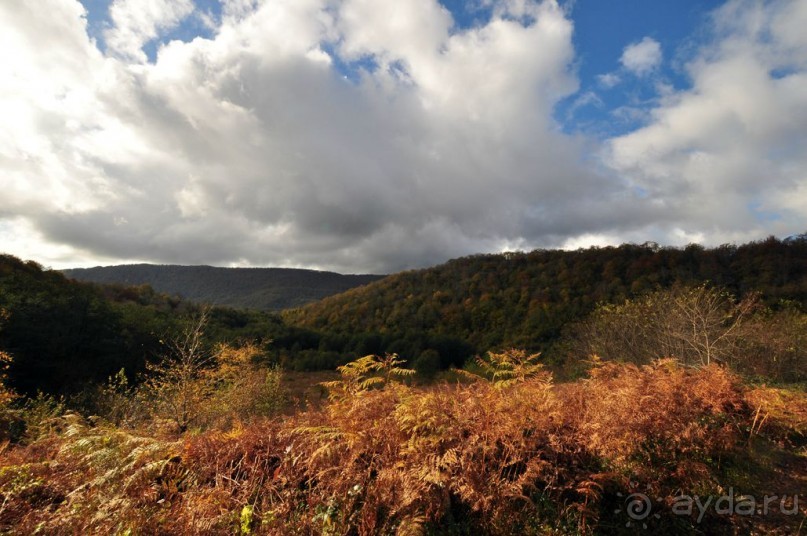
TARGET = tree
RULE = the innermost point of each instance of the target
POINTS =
(707, 322)
(196, 385)
(775, 344)
(695, 325)
(176, 384)
(427, 363)
(7, 395)
(240, 386)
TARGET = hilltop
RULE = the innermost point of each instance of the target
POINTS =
(268, 289)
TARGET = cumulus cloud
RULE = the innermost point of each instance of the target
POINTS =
(726, 156)
(136, 22)
(252, 147)
(643, 57)
(255, 147)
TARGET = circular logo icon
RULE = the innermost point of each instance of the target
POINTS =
(638, 508)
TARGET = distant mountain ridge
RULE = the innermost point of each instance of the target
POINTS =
(271, 289)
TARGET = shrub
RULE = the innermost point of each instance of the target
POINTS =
(194, 386)
(657, 420)
(7, 395)
(241, 388)
(427, 364)
(509, 367)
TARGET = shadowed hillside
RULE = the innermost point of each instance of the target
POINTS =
(251, 288)
(66, 335)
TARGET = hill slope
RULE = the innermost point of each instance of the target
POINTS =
(525, 299)
(64, 334)
(251, 288)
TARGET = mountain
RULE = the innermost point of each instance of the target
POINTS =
(525, 300)
(61, 333)
(249, 288)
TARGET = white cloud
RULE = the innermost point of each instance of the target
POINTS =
(251, 145)
(643, 57)
(136, 22)
(726, 156)
(608, 80)
(20, 237)
(588, 240)
(589, 98)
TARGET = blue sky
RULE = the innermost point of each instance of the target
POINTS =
(98, 21)
(604, 29)
(366, 136)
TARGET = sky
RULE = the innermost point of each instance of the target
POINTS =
(370, 137)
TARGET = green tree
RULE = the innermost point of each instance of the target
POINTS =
(427, 364)
(7, 395)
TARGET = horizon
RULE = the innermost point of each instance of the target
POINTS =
(355, 137)
(502, 253)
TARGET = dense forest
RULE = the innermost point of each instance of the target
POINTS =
(530, 300)
(270, 289)
(65, 334)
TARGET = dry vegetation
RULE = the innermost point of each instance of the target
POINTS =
(513, 455)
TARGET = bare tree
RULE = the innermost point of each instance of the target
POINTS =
(199, 385)
(175, 384)
(708, 323)
(696, 325)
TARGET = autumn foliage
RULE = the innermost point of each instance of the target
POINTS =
(381, 457)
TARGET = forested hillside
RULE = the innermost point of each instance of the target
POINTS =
(268, 289)
(61, 332)
(526, 299)
(64, 335)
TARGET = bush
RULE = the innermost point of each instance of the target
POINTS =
(241, 388)
(7, 396)
(427, 364)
